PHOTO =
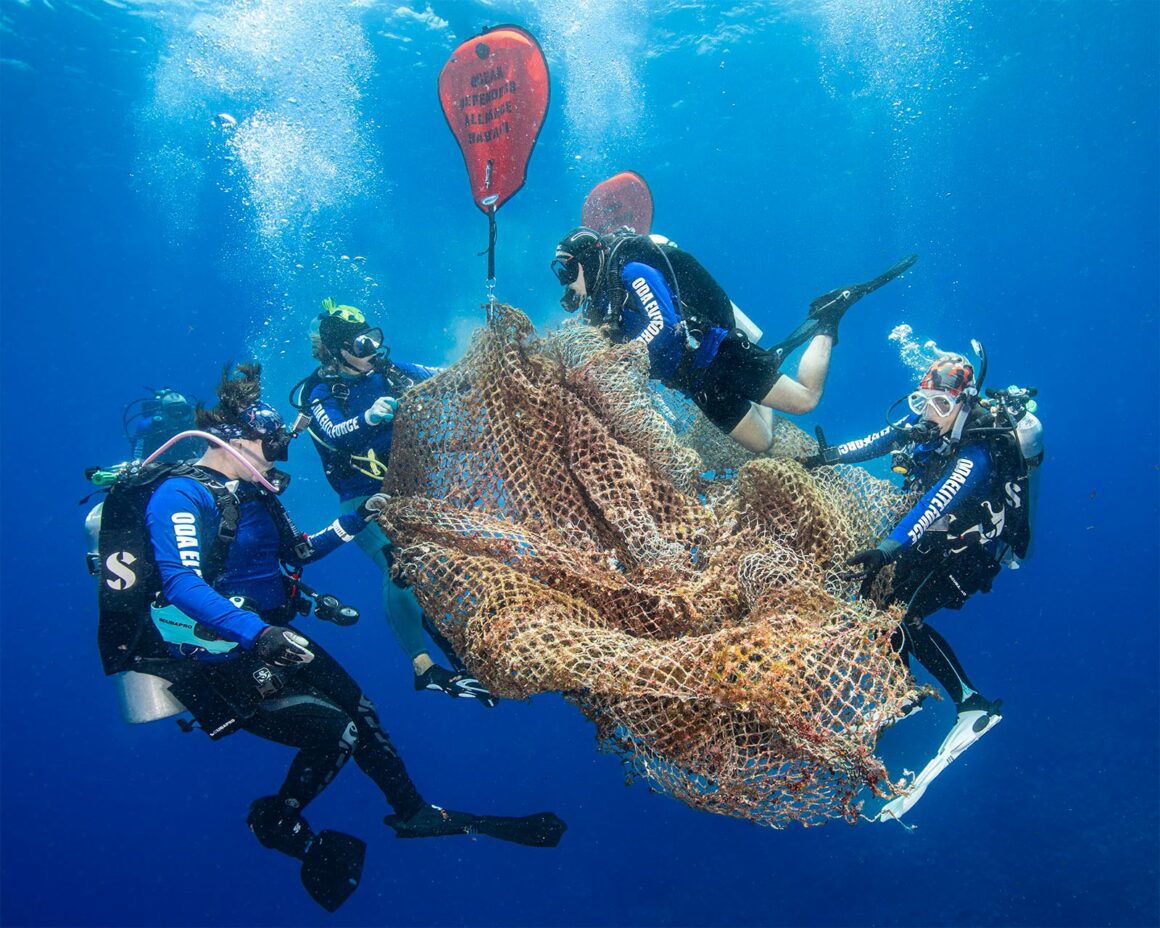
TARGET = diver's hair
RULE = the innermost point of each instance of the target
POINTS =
(240, 387)
(323, 355)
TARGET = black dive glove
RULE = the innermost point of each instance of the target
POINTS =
(827, 454)
(871, 561)
(283, 647)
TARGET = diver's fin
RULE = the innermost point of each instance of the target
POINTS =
(827, 310)
(969, 727)
(333, 867)
(830, 307)
(470, 688)
(542, 829)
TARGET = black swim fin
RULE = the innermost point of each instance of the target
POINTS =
(830, 307)
(333, 867)
(332, 862)
(542, 829)
(827, 310)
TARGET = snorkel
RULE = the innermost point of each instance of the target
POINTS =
(981, 354)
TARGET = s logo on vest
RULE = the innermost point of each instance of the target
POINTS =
(118, 565)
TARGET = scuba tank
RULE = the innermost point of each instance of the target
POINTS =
(745, 324)
(142, 697)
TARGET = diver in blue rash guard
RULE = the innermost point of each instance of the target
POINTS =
(646, 289)
(974, 461)
(203, 602)
(351, 401)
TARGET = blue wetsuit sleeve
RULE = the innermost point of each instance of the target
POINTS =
(650, 317)
(417, 372)
(326, 415)
(331, 538)
(967, 473)
(182, 520)
(872, 446)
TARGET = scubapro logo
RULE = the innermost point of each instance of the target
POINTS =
(118, 565)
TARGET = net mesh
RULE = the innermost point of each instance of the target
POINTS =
(571, 529)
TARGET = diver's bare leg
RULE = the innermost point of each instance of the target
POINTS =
(801, 395)
(755, 431)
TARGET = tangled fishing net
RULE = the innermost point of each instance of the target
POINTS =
(572, 529)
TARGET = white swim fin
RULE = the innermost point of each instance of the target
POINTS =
(969, 727)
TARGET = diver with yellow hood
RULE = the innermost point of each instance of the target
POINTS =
(350, 402)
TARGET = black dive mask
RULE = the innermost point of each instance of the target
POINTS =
(276, 447)
(566, 271)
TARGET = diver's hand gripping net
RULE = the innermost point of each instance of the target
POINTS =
(550, 511)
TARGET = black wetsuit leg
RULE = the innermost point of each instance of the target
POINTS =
(325, 736)
(443, 645)
(936, 655)
(927, 582)
(374, 751)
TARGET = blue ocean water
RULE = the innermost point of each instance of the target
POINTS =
(792, 147)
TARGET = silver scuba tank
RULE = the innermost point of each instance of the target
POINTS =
(93, 538)
(746, 325)
(145, 698)
(1029, 433)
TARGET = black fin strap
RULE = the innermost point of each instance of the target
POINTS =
(798, 337)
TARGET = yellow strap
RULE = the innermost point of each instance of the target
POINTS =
(375, 468)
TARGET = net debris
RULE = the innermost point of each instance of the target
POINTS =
(572, 529)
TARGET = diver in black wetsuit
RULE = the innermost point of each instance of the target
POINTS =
(974, 459)
(199, 583)
(646, 289)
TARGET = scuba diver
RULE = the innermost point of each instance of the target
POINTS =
(199, 581)
(646, 289)
(150, 421)
(973, 458)
(348, 406)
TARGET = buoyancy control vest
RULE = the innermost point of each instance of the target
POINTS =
(337, 464)
(129, 582)
(704, 304)
(1003, 513)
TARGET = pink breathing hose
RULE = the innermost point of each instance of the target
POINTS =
(224, 445)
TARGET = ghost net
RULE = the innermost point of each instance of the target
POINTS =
(555, 517)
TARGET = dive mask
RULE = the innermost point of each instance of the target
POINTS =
(940, 403)
(366, 344)
(567, 270)
(276, 446)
